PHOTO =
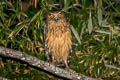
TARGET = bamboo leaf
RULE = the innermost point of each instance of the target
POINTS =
(104, 32)
(90, 25)
(76, 34)
(99, 16)
(35, 16)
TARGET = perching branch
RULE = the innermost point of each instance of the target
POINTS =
(33, 61)
(1, 78)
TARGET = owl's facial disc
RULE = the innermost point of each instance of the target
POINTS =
(56, 16)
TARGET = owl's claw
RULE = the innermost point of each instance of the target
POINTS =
(70, 70)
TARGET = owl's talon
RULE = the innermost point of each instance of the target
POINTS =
(70, 70)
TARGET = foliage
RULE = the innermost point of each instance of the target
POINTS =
(95, 36)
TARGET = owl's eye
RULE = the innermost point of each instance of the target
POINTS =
(59, 15)
(51, 16)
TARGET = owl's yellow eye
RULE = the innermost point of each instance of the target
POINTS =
(51, 16)
(59, 15)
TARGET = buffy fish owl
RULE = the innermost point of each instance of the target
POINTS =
(57, 36)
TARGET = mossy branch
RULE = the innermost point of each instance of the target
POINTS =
(35, 62)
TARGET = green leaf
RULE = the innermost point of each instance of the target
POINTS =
(76, 34)
(104, 32)
(90, 25)
(67, 4)
(35, 16)
(99, 16)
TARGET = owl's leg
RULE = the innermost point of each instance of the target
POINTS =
(66, 64)
(54, 62)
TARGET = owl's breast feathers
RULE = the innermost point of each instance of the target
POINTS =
(58, 40)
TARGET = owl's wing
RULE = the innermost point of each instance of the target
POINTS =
(70, 54)
(47, 52)
(45, 31)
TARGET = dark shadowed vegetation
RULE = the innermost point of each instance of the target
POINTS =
(95, 35)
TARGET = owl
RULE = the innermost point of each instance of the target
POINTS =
(57, 37)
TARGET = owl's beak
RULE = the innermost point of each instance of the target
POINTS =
(56, 19)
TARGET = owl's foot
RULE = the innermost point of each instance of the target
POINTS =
(70, 70)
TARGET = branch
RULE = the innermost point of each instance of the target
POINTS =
(33, 61)
(1, 78)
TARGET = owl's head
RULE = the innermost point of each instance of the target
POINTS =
(55, 16)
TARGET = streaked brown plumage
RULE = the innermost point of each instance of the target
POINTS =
(58, 42)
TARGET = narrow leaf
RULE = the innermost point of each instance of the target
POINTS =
(104, 32)
(90, 25)
(35, 16)
(76, 34)
(99, 16)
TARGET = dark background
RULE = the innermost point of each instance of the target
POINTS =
(95, 36)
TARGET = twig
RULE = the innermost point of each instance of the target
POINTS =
(33, 61)
(111, 66)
